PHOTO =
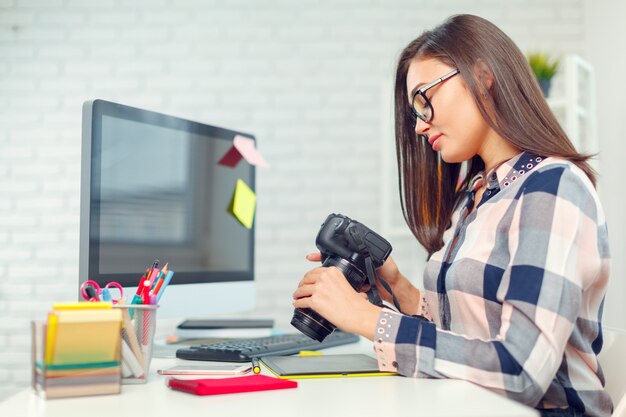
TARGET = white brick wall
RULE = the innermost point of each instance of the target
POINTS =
(305, 76)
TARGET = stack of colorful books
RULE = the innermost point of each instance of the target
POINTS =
(77, 351)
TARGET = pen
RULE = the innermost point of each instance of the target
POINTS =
(310, 353)
(166, 281)
(256, 368)
(159, 280)
(106, 294)
(137, 299)
(92, 293)
(145, 295)
(154, 271)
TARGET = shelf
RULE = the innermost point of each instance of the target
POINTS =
(577, 117)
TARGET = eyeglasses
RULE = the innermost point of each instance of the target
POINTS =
(420, 105)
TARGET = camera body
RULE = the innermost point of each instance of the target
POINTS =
(357, 251)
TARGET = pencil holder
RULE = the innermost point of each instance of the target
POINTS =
(138, 326)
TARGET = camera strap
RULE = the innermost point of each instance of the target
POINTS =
(387, 287)
(372, 295)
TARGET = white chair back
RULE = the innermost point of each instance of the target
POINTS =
(613, 361)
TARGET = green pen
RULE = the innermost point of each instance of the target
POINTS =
(256, 368)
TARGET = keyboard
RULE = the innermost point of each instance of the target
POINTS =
(243, 350)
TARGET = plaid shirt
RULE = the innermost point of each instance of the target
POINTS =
(513, 300)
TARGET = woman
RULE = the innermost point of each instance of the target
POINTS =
(494, 190)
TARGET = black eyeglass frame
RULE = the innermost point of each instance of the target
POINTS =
(422, 92)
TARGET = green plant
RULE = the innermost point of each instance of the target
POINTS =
(543, 65)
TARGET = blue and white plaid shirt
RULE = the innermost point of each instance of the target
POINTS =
(513, 300)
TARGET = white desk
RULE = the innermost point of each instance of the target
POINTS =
(355, 396)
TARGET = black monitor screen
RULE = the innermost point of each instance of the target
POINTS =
(158, 191)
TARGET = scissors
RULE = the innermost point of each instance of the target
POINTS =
(91, 291)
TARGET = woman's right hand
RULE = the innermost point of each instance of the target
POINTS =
(388, 271)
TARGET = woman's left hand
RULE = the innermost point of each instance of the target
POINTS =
(327, 291)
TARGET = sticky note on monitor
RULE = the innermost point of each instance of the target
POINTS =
(243, 204)
(243, 148)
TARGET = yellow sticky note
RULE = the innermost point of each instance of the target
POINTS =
(51, 337)
(85, 336)
(243, 204)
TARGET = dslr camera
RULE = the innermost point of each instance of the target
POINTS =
(357, 251)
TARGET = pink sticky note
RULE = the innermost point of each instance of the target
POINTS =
(246, 148)
(243, 147)
(231, 158)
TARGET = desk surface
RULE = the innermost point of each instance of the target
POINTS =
(355, 396)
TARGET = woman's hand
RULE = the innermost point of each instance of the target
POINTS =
(390, 273)
(314, 257)
(408, 296)
(405, 292)
(328, 293)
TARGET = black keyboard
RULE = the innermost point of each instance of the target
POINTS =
(242, 350)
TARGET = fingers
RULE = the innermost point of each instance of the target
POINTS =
(309, 277)
(303, 291)
(314, 274)
(307, 284)
(302, 302)
(314, 257)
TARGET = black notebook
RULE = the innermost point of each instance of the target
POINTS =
(323, 366)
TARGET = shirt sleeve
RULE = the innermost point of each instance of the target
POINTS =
(423, 309)
(554, 255)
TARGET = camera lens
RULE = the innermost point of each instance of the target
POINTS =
(353, 274)
(311, 324)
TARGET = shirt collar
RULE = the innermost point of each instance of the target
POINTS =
(511, 170)
(507, 173)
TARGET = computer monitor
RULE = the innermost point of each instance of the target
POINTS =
(152, 188)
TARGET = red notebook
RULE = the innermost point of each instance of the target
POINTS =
(213, 386)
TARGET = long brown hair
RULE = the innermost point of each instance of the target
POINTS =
(513, 106)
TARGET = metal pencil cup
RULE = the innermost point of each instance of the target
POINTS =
(138, 326)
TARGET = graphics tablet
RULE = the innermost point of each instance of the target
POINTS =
(323, 366)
